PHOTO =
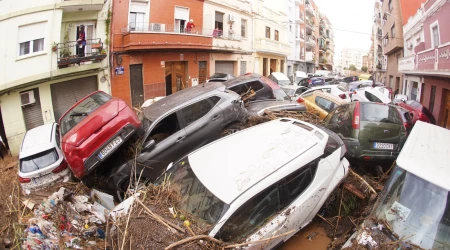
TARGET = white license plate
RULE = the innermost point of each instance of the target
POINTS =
(380, 145)
(43, 179)
(110, 147)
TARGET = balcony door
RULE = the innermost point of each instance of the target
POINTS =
(89, 31)
(181, 18)
(138, 16)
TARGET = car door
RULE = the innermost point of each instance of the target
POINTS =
(171, 144)
(203, 120)
(339, 121)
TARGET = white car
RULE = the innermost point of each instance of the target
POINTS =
(41, 161)
(371, 94)
(335, 90)
(262, 181)
(294, 90)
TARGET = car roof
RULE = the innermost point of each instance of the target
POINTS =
(329, 96)
(376, 91)
(291, 87)
(280, 76)
(426, 154)
(245, 158)
(37, 140)
(241, 79)
(178, 98)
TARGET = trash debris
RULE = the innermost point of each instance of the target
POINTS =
(104, 199)
(122, 209)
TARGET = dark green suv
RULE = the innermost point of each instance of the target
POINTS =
(371, 131)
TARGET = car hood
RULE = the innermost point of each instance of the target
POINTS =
(94, 122)
(258, 107)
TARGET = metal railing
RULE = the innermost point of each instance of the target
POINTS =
(73, 52)
(170, 28)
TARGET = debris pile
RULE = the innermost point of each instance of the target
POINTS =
(305, 116)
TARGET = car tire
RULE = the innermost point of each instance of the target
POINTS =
(231, 129)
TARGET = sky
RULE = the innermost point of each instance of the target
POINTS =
(349, 15)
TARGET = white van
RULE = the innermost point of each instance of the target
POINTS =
(279, 78)
(415, 201)
(298, 76)
(262, 181)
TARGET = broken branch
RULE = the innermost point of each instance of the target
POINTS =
(354, 190)
(364, 182)
(198, 237)
(327, 221)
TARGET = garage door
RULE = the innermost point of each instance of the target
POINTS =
(66, 94)
(224, 67)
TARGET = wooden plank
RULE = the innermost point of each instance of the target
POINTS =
(354, 190)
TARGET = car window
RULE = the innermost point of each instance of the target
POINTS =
(296, 183)
(256, 85)
(290, 92)
(57, 137)
(165, 128)
(38, 161)
(325, 104)
(340, 120)
(379, 113)
(196, 110)
(299, 91)
(371, 97)
(240, 89)
(82, 110)
(251, 215)
(328, 90)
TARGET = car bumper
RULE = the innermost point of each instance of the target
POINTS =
(47, 180)
(355, 151)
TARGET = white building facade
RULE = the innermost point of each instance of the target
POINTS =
(352, 57)
(42, 72)
(296, 36)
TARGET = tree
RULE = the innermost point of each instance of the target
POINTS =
(364, 68)
(345, 68)
(352, 67)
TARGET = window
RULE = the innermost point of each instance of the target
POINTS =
(393, 31)
(58, 137)
(137, 16)
(181, 18)
(390, 5)
(32, 38)
(276, 36)
(371, 97)
(379, 113)
(325, 104)
(219, 20)
(432, 96)
(243, 28)
(340, 121)
(414, 90)
(38, 161)
(267, 32)
(165, 128)
(296, 183)
(435, 34)
(256, 86)
(198, 109)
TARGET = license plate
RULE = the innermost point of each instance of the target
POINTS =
(43, 179)
(380, 145)
(110, 147)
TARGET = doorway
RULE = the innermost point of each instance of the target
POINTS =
(201, 71)
(136, 85)
(89, 35)
(243, 67)
(282, 66)
(264, 66)
(273, 65)
(445, 114)
(175, 75)
(397, 85)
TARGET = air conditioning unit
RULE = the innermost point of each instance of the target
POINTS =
(27, 98)
(231, 18)
(157, 27)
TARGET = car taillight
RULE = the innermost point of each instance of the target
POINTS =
(343, 150)
(24, 180)
(355, 123)
(423, 117)
(300, 100)
(342, 96)
(60, 168)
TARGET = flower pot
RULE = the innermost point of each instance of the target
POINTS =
(54, 48)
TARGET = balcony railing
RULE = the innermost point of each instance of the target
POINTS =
(171, 29)
(70, 53)
(311, 40)
(299, 17)
(309, 8)
(269, 45)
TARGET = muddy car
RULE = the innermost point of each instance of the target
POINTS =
(177, 125)
(413, 210)
(280, 174)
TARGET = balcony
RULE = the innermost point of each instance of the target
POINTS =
(148, 36)
(81, 5)
(392, 45)
(310, 25)
(300, 2)
(300, 36)
(322, 61)
(67, 53)
(309, 9)
(310, 41)
(299, 18)
(267, 45)
(309, 56)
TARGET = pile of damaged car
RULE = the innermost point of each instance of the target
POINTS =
(243, 162)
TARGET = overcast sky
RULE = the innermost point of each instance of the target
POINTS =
(349, 15)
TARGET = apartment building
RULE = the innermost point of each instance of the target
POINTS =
(426, 64)
(325, 43)
(312, 32)
(296, 36)
(379, 60)
(271, 45)
(43, 70)
(352, 57)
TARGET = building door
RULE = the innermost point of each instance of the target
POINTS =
(265, 67)
(282, 66)
(32, 113)
(201, 71)
(243, 67)
(397, 85)
(175, 73)
(422, 92)
(136, 85)
(66, 94)
(226, 67)
(273, 65)
(415, 86)
(445, 114)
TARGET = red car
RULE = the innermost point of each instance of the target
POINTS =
(93, 129)
(419, 111)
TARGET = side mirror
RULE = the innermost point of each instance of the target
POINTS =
(148, 146)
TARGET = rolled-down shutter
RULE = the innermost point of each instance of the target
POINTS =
(32, 113)
(66, 94)
(225, 67)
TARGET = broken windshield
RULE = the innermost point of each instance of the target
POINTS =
(416, 209)
(196, 199)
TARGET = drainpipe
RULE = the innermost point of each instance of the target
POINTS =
(253, 32)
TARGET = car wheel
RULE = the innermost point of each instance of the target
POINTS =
(122, 188)
(231, 129)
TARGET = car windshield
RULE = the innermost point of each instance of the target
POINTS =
(82, 110)
(415, 209)
(196, 199)
(379, 113)
(289, 92)
(278, 93)
(38, 161)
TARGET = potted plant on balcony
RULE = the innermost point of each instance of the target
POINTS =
(54, 46)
